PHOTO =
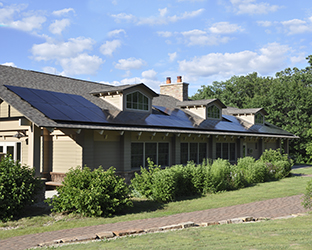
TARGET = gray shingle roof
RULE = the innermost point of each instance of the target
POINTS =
(166, 116)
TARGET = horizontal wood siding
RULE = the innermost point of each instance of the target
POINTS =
(66, 154)
(4, 110)
(108, 154)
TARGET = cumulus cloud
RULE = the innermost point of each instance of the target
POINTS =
(172, 56)
(63, 11)
(149, 74)
(267, 60)
(109, 47)
(130, 63)
(51, 70)
(297, 26)
(116, 32)
(161, 18)
(224, 28)
(251, 7)
(203, 38)
(58, 26)
(81, 64)
(264, 23)
(9, 16)
(165, 33)
(48, 50)
(11, 64)
(70, 55)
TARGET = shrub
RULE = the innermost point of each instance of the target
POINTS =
(92, 193)
(163, 188)
(18, 187)
(278, 164)
(220, 175)
(253, 171)
(307, 198)
(142, 183)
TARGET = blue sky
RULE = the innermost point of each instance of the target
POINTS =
(133, 41)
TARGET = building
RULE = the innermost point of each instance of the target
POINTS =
(54, 123)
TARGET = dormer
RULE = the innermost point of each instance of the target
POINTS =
(137, 97)
(253, 116)
(206, 109)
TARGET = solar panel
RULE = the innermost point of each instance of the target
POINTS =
(61, 106)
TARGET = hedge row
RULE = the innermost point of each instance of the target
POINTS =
(168, 184)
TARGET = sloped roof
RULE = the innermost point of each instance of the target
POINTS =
(237, 111)
(200, 103)
(166, 116)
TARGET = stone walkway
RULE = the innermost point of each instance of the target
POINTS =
(273, 208)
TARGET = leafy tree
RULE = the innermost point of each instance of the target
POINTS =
(18, 187)
(287, 98)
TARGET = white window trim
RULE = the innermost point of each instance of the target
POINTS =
(220, 112)
(10, 144)
(140, 110)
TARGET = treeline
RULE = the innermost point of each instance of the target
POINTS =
(287, 98)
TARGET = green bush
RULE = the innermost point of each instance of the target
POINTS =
(92, 193)
(253, 171)
(163, 188)
(307, 198)
(220, 172)
(278, 165)
(18, 188)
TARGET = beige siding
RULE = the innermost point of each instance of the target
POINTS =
(66, 154)
(199, 111)
(4, 110)
(270, 145)
(14, 112)
(24, 148)
(108, 154)
(248, 118)
(115, 100)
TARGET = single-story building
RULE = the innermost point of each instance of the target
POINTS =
(53, 123)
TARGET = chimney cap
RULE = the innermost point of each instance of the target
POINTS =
(168, 80)
(179, 78)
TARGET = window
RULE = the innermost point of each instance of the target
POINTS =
(259, 118)
(137, 100)
(11, 148)
(195, 152)
(213, 112)
(225, 151)
(157, 152)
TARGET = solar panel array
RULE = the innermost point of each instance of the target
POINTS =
(61, 106)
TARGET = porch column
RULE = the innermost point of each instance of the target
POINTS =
(34, 135)
(286, 146)
(47, 154)
(125, 152)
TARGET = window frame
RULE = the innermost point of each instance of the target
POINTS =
(17, 149)
(188, 155)
(213, 112)
(222, 148)
(257, 118)
(145, 156)
(136, 105)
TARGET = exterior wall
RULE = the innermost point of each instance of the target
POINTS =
(270, 144)
(116, 100)
(66, 154)
(107, 150)
(176, 90)
(248, 118)
(200, 111)
(8, 111)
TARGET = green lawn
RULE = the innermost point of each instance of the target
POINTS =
(146, 209)
(293, 233)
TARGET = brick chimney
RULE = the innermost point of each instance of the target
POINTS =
(178, 90)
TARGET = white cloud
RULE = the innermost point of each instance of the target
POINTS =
(162, 18)
(200, 37)
(63, 11)
(224, 28)
(116, 32)
(264, 23)
(298, 59)
(58, 26)
(172, 56)
(30, 21)
(297, 26)
(81, 64)
(269, 59)
(11, 64)
(149, 74)
(48, 51)
(51, 70)
(251, 7)
(109, 47)
(130, 63)
(165, 33)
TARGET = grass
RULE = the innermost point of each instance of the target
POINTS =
(293, 233)
(30, 223)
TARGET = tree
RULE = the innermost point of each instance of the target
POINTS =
(287, 98)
